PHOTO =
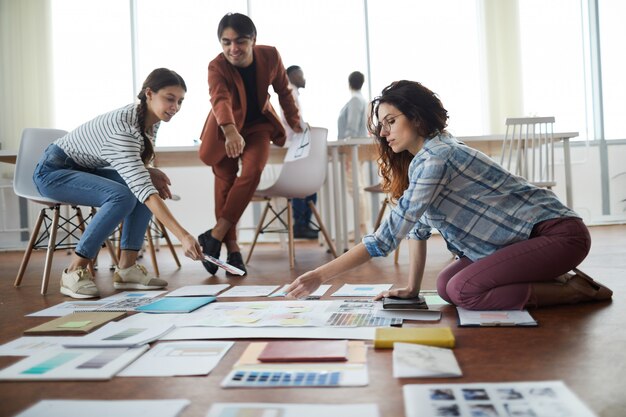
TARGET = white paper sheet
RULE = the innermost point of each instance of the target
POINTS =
(71, 364)
(317, 293)
(108, 408)
(361, 290)
(292, 410)
(178, 359)
(198, 290)
(120, 334)
(249, 291)
(545, 398)
(411, 360)
(209, 333)
(30, 345)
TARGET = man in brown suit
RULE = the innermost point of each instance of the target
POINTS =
(240, 126)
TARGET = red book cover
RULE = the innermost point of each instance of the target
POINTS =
(305, 351)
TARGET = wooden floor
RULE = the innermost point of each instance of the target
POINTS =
(584, 345)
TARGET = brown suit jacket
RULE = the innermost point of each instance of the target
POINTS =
(228, 101)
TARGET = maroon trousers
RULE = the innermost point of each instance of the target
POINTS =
(233, 192)
(502, 280)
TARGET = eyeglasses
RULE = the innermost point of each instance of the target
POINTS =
(388, 122)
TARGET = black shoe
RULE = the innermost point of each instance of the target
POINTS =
(304, 232)
(235, 259)
(211, 247)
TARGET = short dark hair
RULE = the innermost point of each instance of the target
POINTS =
(291, 69)
(356, 80)
(240, 23)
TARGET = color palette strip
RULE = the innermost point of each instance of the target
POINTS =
(52, 363)
(361, 320)
(259, 379)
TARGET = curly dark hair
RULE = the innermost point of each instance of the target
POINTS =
(420, 106)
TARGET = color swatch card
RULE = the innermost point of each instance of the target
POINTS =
(175, 304)
(198, 290)
(305, 351)
(225, 266)
(291, 410)
(250, 291)
(30, 345)
(74, 324)
(528, 399)
(250, 372)
(361, 290)
(183, 358)
(420, 361)
(121, 335)
(495, 318)
(72, 364)
(105, 408)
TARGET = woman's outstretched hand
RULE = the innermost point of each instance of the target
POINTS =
(192, 248)
(398, 292)
(304, 285)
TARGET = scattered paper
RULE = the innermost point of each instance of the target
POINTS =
(411, 360)
(361, 290)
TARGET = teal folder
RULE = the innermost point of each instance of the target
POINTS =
(175, 305)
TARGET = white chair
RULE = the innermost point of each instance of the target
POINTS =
(298, 179)
(528, 149)
(32, 145)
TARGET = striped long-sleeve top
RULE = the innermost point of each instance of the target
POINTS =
(477, 206)
(113, 139)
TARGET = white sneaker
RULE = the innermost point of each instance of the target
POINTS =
(78, 284)
(136, 278)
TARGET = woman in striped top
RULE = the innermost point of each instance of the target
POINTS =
(105, 163)
(515, 243)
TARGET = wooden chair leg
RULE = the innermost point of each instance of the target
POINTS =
(155, 265)
(166, 236)
(29, 248)
(292, 255)
(318, 218)
(51, 246)
(259, 227)
(381, 213)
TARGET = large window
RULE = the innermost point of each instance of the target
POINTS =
(181, 36)
(91, 59)
(612, 35)
(553, 67)
(435, 43)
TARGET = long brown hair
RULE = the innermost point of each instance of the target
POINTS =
(156, 80)
(420, 106)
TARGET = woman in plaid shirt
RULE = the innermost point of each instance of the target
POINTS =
(515, 243)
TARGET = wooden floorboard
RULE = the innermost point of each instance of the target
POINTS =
(583, 345)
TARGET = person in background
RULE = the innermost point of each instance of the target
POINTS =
(77, 169)
(516, 243)
(352, 123)
(301, 211)
(240, 126)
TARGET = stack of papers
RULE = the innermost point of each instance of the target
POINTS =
(120, 335)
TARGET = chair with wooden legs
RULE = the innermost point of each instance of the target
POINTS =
(32, 145)
(297, 179)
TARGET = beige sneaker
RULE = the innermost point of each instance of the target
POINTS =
(78, 284)
(136, 278)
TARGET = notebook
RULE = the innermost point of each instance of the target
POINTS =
(175, 305)
(305, 351)
(74, 324)
(432, 336)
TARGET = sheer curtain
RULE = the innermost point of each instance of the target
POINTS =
(26, 90)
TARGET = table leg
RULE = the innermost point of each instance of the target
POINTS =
(356, 193)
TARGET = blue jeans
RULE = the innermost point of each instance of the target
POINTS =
(302, 212)
(57, 176)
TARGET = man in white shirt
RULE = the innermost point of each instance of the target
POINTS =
(301, 211)
(352, 123)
